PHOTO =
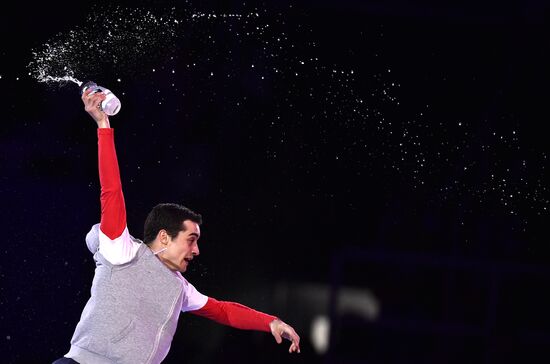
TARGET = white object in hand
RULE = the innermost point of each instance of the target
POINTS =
(111, 105)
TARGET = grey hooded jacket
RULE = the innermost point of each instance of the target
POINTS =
(133, 310)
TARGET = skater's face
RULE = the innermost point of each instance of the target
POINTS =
(183, 248)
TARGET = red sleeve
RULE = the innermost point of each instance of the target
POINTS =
(113, 210)
(235, 315)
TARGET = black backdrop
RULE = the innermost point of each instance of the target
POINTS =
(303, 198)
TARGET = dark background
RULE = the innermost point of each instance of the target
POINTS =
(311, 208)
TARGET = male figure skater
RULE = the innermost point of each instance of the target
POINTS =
(138, 290)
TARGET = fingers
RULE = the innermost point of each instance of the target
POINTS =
(276, 330)
(291, 335)
(277, 336)
(87, 95)
(295, 346)
(92, 104)
(92, 99)
(281, 330)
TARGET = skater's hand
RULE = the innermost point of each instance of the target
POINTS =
(92, 105)
(280, 330)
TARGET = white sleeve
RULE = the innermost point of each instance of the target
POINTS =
(120, 250)
(192, 299)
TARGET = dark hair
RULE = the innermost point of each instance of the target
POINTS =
(170, 217)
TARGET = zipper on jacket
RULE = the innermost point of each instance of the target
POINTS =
(159, 334)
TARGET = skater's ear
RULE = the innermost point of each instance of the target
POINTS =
(163, 237)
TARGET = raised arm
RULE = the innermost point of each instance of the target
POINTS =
(115, 242)
(92, 105)
(243, 317)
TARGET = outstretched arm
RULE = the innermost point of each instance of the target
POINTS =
(114, 240)
(242, 317)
